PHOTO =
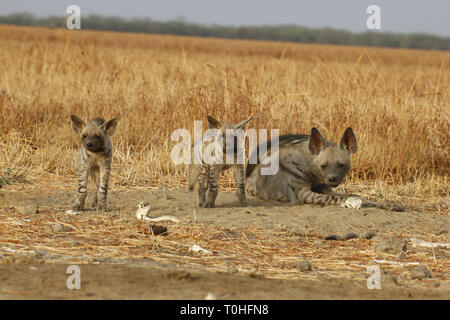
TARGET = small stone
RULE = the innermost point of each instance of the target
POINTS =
(195, 248)
(71, 212)
(391, 245)
(420, 272)
(157, 230)
(30, 209)
(333, 237)
(304, 266)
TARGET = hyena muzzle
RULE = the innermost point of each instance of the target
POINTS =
(94, 159)
(309, 167)
(207, 175)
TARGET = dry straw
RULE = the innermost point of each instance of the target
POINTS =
(94, 238)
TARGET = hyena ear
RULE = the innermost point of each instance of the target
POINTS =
(316, 141)
(348, 141)
(110, 126)
(242, 124)
(77, 124)
(213, 123)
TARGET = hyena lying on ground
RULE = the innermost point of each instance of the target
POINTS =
(94, 159)
(207, 175)
(309, 166)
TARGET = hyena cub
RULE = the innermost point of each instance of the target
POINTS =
(309, 166)
(207, 175)
(94, 159)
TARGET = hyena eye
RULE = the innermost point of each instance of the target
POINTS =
(97, 137)
(324, 165)
(84, 136)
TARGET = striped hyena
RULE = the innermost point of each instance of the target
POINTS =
(207, 175)
(94, 159)
(309, 167)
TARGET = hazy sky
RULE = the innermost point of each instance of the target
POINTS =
(405, 16)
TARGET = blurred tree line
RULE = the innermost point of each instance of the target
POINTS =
(290, 33)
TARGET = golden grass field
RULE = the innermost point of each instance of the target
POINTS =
(397, 101)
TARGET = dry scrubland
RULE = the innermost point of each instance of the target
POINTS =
(397, 101)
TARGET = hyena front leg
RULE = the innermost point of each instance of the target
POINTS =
(239, 177)
(365, 203)
(95, 175)
(213, 185)
(203, 180)
(305, 195)
(323, 188)
(291, 196)
(82, 188)
(105, 171)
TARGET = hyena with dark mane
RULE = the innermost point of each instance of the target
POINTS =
(309, 167)
(94, 159)
(207, 175)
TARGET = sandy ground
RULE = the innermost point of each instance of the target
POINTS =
(28, 276)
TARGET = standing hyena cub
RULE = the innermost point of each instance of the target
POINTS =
(207, 175)
(94, 159)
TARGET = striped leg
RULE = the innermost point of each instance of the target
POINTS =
(365, 204)
(239, 177)
(105, 171)
(305, 195)
(214, 173)
(82, 189)
(323, 188)
(203, 178)
(95, 175)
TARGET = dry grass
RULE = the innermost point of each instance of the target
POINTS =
(397, 101)
(248, 250)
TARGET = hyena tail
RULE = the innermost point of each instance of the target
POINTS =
(192, 175)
